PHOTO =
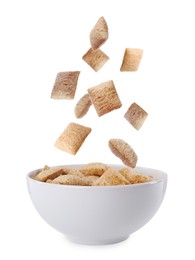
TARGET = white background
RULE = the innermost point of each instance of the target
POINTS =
(39, 39)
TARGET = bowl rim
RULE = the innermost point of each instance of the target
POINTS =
(163, 178)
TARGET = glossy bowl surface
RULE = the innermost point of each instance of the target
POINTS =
(98, 214)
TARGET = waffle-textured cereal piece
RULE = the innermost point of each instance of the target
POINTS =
(90, 180)
(65, 85)
(95, 58)
(72, 138)
(99, 33)
(104, 97)
(136, 116)
(134, 177)
(51, 174)
(124, 151)
(131, 60)
(94, 169)
(69, 180)
(72, 171)
(82, 106)
(111, 177)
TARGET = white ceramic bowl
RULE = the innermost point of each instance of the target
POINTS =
(98, 214)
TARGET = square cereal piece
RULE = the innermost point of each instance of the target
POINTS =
(94, 169)
(69, 180)
(65, 85)
(90, 180)
(104, 97)
(131, 60)
(136, 116)
(99, 34)
(95, 59)
(72, 138)
(133, 177)
(51, 174)
(111, 177)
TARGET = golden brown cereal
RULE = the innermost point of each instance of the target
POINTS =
(72, 138)
(46, 167)
(95, 58)
(69, 180)
(99, 33)
(65, 85)
(49, 174)
(94, 169)
(124, 151)
(49, 181)
(134, 177)
(90, 180)
(111, 177)
(82, 106)
(131, 60)
(72, 171)
(104, 97)
(136, 116)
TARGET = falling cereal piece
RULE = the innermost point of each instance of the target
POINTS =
(131, 59)
(94, 169)
(99, 33)
(65, 85)
(104, 97)
(124, 151)
(82, 106)
(134, 177)
(51, 174)
(136, 116)
(95, 58)
(72, 138)
(69, 180)
(111, 177)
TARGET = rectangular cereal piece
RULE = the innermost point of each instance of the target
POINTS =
(95, 59)
(65, 85)
(94, 169)
(44, 175)
(136, 116)
(90, 180)
(124, 151)
(131, 60)
(72, 138)
(104, 97)
(69, 180)
(99, 34)
(111, 177)
(82, 106)
(133, 177)
(72, 171)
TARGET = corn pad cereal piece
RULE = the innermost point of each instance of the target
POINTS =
(99, 34)
(104, 97)
(111, 177)
(124, 151)
(94, 169)
(95, 59)
(72, 138)
(69, 180)
(131, 60)
(90, 179)
(65, 85)
(49, 174)
(72, 171)
(136, 116)
(82, 106)
(134, 177)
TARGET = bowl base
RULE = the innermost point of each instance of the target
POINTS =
(98, 241)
